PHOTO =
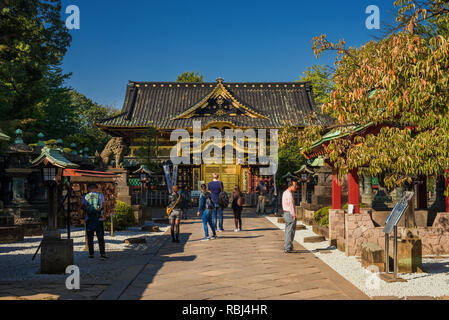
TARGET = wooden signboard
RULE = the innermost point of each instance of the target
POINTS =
(397, 212)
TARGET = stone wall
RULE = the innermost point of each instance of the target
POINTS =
(337, 228)
(360, 229)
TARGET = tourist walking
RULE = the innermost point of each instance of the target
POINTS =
(288, 205)
(261, 190)
(93, 201)
(205, 208)
(237, 207)
(216, 188)
(174, 212)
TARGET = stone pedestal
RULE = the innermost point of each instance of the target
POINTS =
(373, 255)
(409, 255)
(322, 193)
(138, 214)
(123, 190)
(56, 255)
(11, 234)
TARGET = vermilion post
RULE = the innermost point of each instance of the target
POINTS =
(336, 190)
(353, 190)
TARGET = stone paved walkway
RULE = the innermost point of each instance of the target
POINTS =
(245, 266)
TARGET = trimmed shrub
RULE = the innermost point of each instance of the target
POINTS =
(123, 218)
(321, 216)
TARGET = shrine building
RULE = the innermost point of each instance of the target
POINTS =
(167, 106)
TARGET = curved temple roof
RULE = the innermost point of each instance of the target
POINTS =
(172, 105)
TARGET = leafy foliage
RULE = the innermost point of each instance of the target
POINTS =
(399, 82)
(123, 218)
(321, 216)
(189, 77)
(321, 79)
(33, 41)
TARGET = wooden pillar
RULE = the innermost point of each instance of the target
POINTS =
(336, 190)
(422, 193)
(353, 190)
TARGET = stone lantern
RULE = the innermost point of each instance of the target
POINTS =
(56, 253)
(17, 170)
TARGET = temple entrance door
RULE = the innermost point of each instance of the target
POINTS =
(229, 174)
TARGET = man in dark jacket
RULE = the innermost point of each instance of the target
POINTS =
(216, 187)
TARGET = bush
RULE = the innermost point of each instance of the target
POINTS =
(321, 216)
(345, 207)
(123, 218)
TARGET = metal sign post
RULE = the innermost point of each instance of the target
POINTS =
(391, 225)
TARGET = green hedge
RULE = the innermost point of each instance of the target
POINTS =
(123, 218)
(321, 216)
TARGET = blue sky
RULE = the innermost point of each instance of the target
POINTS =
(238, 40)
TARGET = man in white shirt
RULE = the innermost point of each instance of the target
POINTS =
(288, 205)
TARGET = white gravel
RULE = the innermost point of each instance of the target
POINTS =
(434, 283)
(16, 263)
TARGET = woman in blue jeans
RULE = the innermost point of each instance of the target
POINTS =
(205, 210)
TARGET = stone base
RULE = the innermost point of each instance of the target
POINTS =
(389, 278)
(373, 255)
(138, 240)
(301, 227)
(322, 231)
(138, 215)
(11, 234)
(151, 229)
(33, 229)
(56, 255)
(409, 255)
(314, 239)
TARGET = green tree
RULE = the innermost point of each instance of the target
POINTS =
(86, 115)
(189, 77)
(321, 78)
(33, 42)
(399, 82)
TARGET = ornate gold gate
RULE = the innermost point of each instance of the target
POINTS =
(229, 174)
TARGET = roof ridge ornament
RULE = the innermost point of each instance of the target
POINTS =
(220, 80)
(220, 93)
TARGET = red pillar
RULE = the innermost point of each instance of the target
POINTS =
(353, 190)
(336, 190)
(422, 193)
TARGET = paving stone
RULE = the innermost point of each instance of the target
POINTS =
(249, 265)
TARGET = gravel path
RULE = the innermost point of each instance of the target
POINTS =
(434, 283)
(16, 263)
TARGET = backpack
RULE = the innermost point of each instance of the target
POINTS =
(209, 202)
(223, 198)
(93, 210)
